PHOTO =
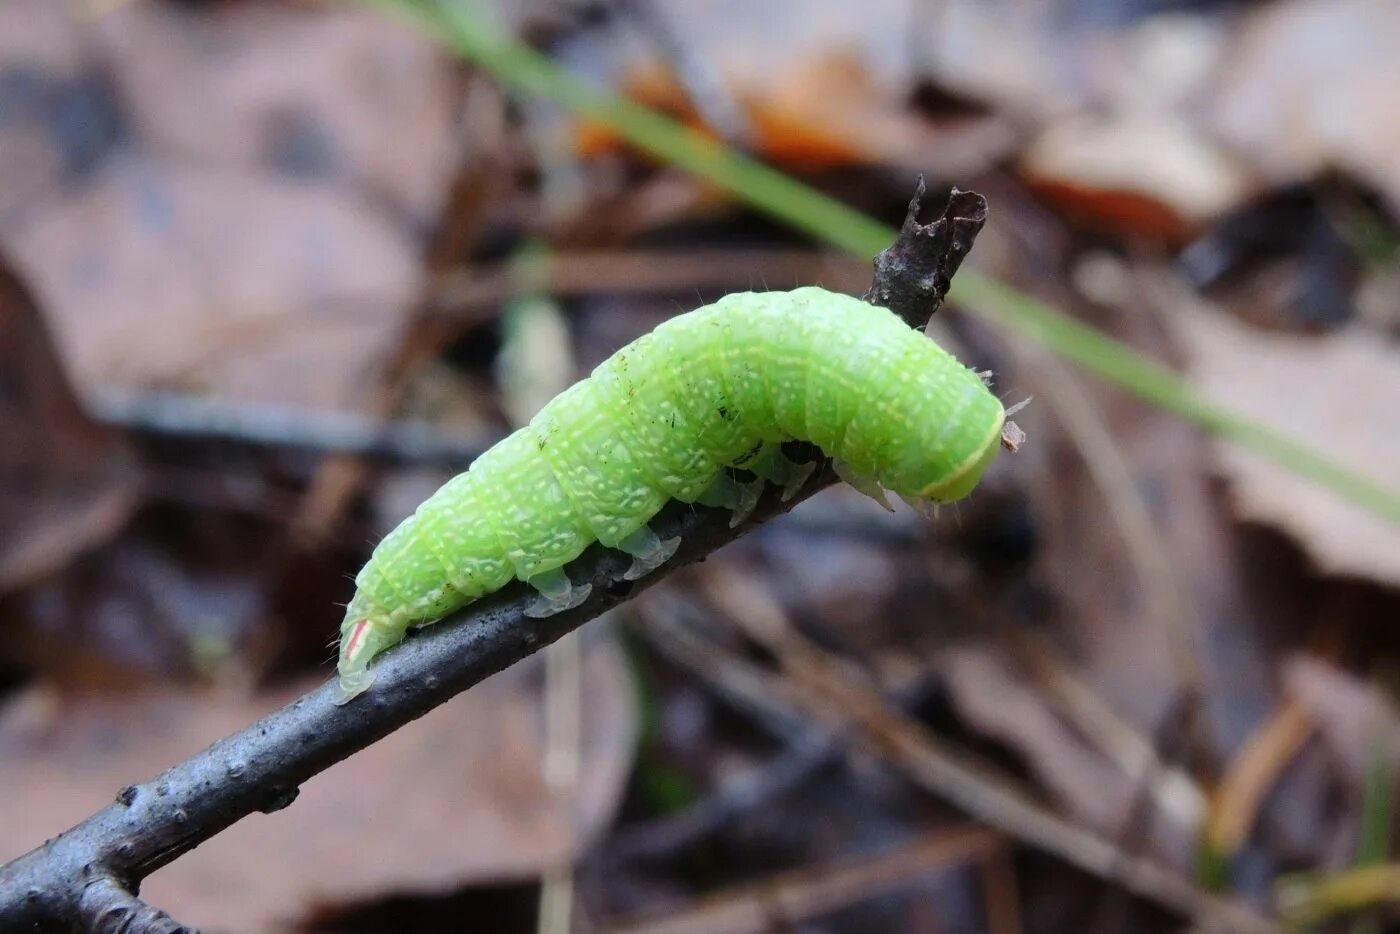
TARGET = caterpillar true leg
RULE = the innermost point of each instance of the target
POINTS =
(557, 594)
(728, 493)
(648, 552)
(926, 508)
(861, 484)
(773, 465)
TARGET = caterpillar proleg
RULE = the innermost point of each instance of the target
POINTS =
(667, 417)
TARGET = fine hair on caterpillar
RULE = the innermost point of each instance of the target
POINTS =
(671, 416)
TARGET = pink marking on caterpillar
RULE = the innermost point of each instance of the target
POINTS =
(356, 635)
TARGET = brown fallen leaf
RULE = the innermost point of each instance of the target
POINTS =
(456, 797)
(1022, 58)
(165, 275)
(340, 93)
(816, 85)
(1000, 704)
(1141, 174)
(1158, 603)
(66, 483)
(176, 597)
(1311, 85)
(1338, 393)
(43, 79)
(1041, 62)
(827, 112)
(1356, 721)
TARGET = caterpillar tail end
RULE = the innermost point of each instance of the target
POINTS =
(360, 641)
(352, 685)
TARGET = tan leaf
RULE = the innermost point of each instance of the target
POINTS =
(1312, 86)
(166, 275)
(998, 703)
(40, 60)
(1339, 393)
(456, 797)
(1355, 719)
(65, 482)
(815, 85)
(1134, 174)
(332, 92)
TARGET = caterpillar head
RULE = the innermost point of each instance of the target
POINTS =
(965, 475)
(942, 463)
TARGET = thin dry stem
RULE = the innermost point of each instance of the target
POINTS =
(786, 900)
(828, 687)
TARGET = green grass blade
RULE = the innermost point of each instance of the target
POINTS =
(522, 70)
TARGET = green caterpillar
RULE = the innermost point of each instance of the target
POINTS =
(664, 418)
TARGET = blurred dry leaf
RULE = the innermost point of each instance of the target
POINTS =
(169, 601)
(65, 482)
(454, 798)
(1355, 720)
(1016, 55)
(1312, 86)
(1135, 174)
(828, 112)
(821, 85)
(1129, 638)
(165, 275)
(330, 92)
(1000, 704)
(1136, 164)
(1339, 393)
(536, 361)
(1039, 62)
(39, 34)
(42, 90)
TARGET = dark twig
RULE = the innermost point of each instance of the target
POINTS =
(672, 625)
(107, 908)
(739, 794)
(350, 433)
(913, 274)
(89, 875)
(784, 901)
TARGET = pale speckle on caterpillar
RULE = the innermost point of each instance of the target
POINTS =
(668, 417)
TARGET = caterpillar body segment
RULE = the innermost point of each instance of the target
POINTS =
(664, 418)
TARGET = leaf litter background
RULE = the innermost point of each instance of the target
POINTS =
(220, 217)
